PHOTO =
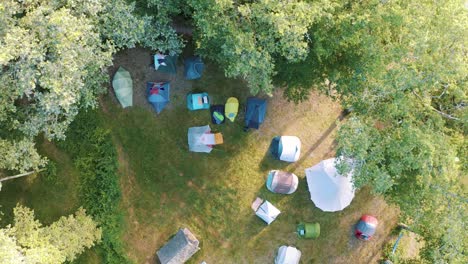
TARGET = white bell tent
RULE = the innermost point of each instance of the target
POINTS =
(329, 190)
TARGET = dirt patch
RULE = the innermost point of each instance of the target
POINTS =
(139, 63)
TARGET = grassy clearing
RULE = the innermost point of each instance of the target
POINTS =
(166, 187)
(49, 199)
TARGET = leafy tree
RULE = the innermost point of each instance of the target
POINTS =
(27, 241)
(246, 37)
(401, 67)
(53, 60)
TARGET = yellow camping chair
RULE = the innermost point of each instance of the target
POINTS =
(231, 108)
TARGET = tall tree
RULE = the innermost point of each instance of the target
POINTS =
(401, 67)
(53, 60)
(246, 37)
(27, 241)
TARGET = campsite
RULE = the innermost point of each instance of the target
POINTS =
(233, 132)
(166, 187)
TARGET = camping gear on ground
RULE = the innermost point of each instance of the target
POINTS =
(366, 227)
(286, 148)
(158, 94)
(165, 63)
(255, 112)
(282, 182)
(231, 108)
(179, 249)
(217, 114)
(265, 210)
(194, 67)
(123, 87)
(197, 101)
(201, 139)
(288, 255)
(308, 230)
(329, 190)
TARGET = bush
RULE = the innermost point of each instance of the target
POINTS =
(95, 156)
(50, 172)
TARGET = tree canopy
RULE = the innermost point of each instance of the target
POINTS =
(27, 241)
(53, 60)
(401, 68)
(246, 37)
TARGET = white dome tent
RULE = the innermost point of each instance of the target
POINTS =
(329, 190)
(286, 148)
(288, 255)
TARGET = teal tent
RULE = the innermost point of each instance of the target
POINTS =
(193, 67)
(165, 63)
(123, 87)
(197, 101)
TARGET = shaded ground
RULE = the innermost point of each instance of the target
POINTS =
(50, 199)
(166, 187)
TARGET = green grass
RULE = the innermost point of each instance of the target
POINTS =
(49, 199)
(167, 187)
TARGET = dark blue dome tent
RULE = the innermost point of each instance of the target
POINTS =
(255, 112)
(194, 67)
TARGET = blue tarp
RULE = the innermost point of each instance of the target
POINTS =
(194, 67)
(255, 113)
(158, 94)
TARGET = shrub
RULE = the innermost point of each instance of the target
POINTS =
(95, 156)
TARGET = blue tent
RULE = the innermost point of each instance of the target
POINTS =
(158, 94)
(255, 113)
(194, 67)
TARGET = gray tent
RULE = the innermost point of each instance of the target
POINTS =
(282, 182)
(179, 249)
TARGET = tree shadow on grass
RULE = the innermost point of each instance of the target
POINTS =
(322, 138)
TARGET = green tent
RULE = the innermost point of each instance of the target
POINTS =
(165, 63)
(123, 87)
(308, 230)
